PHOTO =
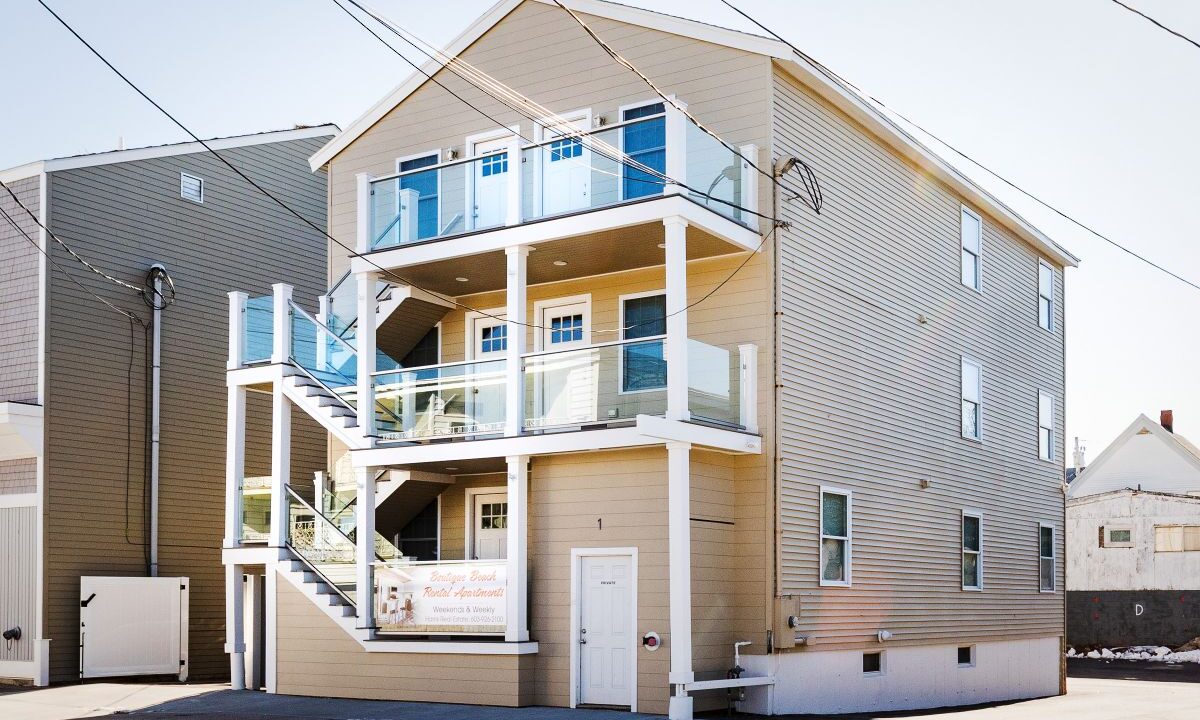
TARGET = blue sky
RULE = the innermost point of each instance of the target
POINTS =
(1078, 101)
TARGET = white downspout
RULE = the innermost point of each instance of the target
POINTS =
(158, 270)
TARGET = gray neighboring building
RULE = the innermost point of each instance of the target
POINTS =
(74, 390)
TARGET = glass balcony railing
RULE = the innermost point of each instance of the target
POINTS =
(714, 174)
(447, 199)
(258, 329)
(599, 383)
(318, 350)
(714, 384)
(342, 305)
(322, 545)
(452, 399)
(256, 509)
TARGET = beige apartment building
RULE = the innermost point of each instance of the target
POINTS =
(634, 401)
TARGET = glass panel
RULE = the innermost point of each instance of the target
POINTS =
(446, 400)
(714, 383)
(833, 514)
(1046, 572)
(577, 387)
(343, 304)
(833, 559)
(970, 570)
(260, 329)
(425, 204)
(322, 545)
(1045, 437)
(316, 349)
(970, 532)
(1191, 537)
(970, 270)
(1045, 411)
(256, 509)
(1046, 543)
(1044, 312)
(970, 381)
(714, 172)
(1168, 538)
(1045, 281)
(646, 144)
(1120, 536)
(970, 419)
(970, 232)
(448, 597)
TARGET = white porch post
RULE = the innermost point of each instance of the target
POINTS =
(323, 341)
(679, 554)
(364, 546)
(516, 627)
(675, 165)
(235, 630)
(748, 386)
(235, 463)
(364, 338)
(281, 323)
(677, 322)
(514, 417)
(237, 329)
(749, 183)
(281, 463)
(253, 621)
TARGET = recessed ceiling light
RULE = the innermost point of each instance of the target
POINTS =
(461, 279)
(451, 468)
(662, 246)
(560, 263)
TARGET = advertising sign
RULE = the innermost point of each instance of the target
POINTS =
(467, 598)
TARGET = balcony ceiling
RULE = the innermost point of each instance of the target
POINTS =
(625, 248)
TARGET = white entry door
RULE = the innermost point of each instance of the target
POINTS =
(605, 630)
(485, 383)
(489, 183)
(566, 388)
(566, 172)
(490, 532)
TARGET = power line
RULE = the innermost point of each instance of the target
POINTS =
(1176, 33)
(838, 78)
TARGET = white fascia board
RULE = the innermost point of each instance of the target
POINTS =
(254, 375)
(252, 555)
(19, 500)
(22, 172)
(700, 435)
(580, 441)
(533, 233)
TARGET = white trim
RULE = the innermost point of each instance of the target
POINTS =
(621, 324)
(978, 286)
(577, 555)
(882, 664)
(540, 306)
(271, 628)
(471, 318)
(188, 176)
(848, 539)
(965, 360)
(41, 644)
(20, 500)
(962, 547)
(1050, 326)
(469, 515)
(973, 648)
(23, 172)
(1053, 556)
(1043, 395)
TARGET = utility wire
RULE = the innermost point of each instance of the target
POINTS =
(1176, 33)
(838, 78)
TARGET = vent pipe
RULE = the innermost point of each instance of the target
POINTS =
(1166, 418)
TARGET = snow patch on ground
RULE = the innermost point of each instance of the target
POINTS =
(1153, 653)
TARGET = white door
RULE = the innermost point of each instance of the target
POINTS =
(485, 384)
(491, 527)
(605, 630)
(489, 183)
(566, 172)
(566, 387)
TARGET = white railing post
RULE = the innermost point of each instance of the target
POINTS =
(749, 182)
(675, 166)
(748, 387)
(363, 208)
(323, 342)
(516, 627)
(235, 463)
(676, 343)
(281, 323)
(407, 227)
(679, 589)
(512, 214)
(514, 396)
(364, 546)
(237, 329)
(281, 463)
(364, 337)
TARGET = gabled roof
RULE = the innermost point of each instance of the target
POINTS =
(803, 69)
(72, 162)
(1142, 425)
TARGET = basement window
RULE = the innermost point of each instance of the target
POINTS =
(966, 656)
(191, 188)
(1116, 536)
(872, 663)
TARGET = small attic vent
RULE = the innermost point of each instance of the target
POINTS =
(1143, 431)
(191, 188)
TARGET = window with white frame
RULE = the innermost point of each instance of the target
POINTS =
(972, 248)
(1176, 538)
(835, 537)
(1045, 426)
(191, 187)
(643, 366)
(972, 399)
(1045, 296)
(1046, 557)
(972, 551)
(1116, 536)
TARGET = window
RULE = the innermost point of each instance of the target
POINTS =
(1116, 536)
(1046, 557)
(493, 338)
(972, 551)
(191, 188)
(835, 537)
(565, 149)
(1045, 296)
(493, 516)
(972, 400)
(1176, 538)
(642, 364)
(494, 164)
(966, 656)
(425, 185)
(1045, 426)
(972, 248)
(566, 328)
(646, 143)
(872, 663)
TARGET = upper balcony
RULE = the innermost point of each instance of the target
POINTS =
(578, 183)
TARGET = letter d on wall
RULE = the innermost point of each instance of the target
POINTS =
(1138, 609)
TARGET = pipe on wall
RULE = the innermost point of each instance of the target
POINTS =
(157, 272)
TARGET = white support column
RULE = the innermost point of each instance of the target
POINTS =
(512, 214)
(323, 340)
(364, 545)
(253, 621)
(237, 329)
(363, 209)
(679, 554)
(364, 338)
(675, 166)
(749, 183)
(235, 626)
(235, 464)
(748, 386)
(281, 463)
(270, 628)
(281, 323)
(514, 418)
(516, 627)
(677, 322)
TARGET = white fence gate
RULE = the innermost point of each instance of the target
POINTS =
(133, 626)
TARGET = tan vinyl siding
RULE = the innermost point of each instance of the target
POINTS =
(18, 580)
(870, 398)
(123, 217)
(19, 285)
(316, 657)
(18, 476)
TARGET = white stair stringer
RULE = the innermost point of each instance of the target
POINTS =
(396, 297)
(320, 594)
(325, 408)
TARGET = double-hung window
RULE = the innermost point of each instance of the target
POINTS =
(835, 537)
(1045, 296)
(972, 400)
(1046, 557)
(645, 142)
(972, 551)
(424, 187)
(642, 364)
(972, 249)
(1045, 426)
